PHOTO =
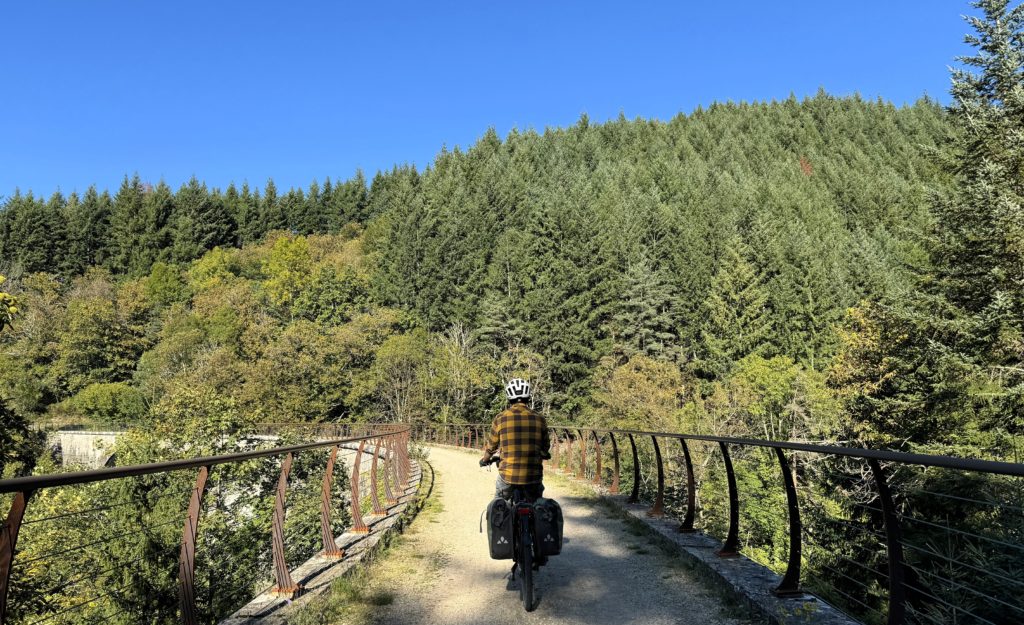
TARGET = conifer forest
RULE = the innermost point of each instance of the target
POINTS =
(827, 269)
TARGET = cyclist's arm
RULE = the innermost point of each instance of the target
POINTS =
(545, 439)
(493, 441)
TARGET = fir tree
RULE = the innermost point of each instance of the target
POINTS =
(88, 222)
(128, 229)
(272, 217)
(203, 222)
(736, 321)
(643, 321)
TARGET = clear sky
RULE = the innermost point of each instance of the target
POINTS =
(294, 90)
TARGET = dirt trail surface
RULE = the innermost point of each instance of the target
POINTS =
(607, 574)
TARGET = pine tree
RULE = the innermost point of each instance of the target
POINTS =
(59, 245)
(943, 366)
(249, 226)
(736, 320)
(980, 256)
(202, 223)
(643, 321)
(88, 222)
(272, 217)
(128, 229)
(36, 232)
(159, 212)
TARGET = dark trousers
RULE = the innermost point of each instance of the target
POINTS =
(504, 490)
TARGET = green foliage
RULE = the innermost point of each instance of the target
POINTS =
(29, 347)
(736, 322)
(646, 314)
(164, 285)
(771, 398)
(100, 340)
(113, 403)
(332, 297)
(203, 222)
(287, 271)
(396, 377)
(943, 365)
(640, 393)
(19, 446)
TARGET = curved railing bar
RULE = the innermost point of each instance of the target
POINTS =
(927, 460)
(36, 482)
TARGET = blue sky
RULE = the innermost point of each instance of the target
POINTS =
(234, 91)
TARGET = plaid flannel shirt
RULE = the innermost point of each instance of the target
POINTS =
(522, 436)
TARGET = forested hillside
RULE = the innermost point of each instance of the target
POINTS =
(638, 271)
(737, 230)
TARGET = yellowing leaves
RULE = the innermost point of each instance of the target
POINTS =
(288, 270)
(8, 307)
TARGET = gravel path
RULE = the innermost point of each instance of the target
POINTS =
(607, 574)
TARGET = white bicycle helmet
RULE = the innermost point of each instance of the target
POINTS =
(517, 389)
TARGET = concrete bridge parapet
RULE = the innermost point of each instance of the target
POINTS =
(83, 448)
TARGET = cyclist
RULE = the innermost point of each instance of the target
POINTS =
(522, 436)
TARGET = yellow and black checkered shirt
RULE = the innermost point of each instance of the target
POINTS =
(522, 436)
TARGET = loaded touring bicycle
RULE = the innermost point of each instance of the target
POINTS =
(526, 530)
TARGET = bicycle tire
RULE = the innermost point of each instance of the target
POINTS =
(526, 563)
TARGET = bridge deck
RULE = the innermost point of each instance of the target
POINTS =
(606, 573)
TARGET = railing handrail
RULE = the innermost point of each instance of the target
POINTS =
(36, 482)
(1015, 469)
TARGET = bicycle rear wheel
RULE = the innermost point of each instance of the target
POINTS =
(526, 566)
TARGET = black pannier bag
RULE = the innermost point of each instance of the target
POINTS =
(548, 523)
(499, 529)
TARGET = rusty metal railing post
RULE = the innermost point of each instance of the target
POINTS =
(597, 458)
(358, 525)
(378, 509)
(615, 476)
(582, 473)
(389, 460)
(187, 557)
(8, 543)
(553, 438)
(404, 470)
(285, 586)
(790, 585)
(894, 548)
(568, 450)
(634, 497)
(659, 500)
(407, 454)
(691, 491)
(732, 542)
(331, 549)
(396, 459)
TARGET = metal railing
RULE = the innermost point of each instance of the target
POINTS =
(389, 474)
(898, 551)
